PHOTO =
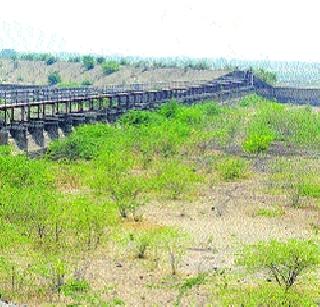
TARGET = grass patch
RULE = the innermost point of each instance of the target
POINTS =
(232, 168)
(269, 212)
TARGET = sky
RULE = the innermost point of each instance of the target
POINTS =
(246, 29)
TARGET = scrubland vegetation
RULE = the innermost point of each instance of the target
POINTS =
(188, 205)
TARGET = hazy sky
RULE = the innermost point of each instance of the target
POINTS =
(246, 29)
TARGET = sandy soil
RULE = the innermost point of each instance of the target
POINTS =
(220, 221)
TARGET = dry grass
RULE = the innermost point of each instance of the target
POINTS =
(33, 72)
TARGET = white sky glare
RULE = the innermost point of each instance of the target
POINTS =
(246, 29)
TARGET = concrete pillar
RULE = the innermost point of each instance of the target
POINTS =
(35, 129)
(50, 125)
(19, 134)
(64, 123)
(3, 136)
(91, 117)
(131, 100)
(76, 118)
(137, 100)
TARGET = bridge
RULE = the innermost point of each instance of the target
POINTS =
(31, 116)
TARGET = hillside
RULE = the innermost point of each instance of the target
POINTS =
(36, 72)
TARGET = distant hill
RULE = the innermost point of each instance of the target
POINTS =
(36, 72)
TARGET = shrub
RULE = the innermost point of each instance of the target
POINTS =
(174, 242)
(210, 109)
(88, 62)
(269, 212)
(50, 60)
(267, 76)
(309, 186)
(169, 110)
(251, 100)
(138, 118)
(232, 168)
(125, 193)
(86, 83)
(84, 143)
(142, 240)
(74, 286)
(285, 262)
(54, 78)
(110, 67)
(100, 59)
(265, 295)
(256, 143)
(174, 179)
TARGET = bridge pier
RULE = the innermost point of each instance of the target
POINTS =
(19, 134)
(76, 118)
(64, 124)
(34, 134)
(91, 117)
(50, 125)
(4, 136)
(138, 98)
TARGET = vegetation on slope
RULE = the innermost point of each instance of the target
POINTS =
(85, 198)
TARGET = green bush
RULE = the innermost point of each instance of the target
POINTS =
(169, 110)
(267, 76)
(284, 261)
(100, 59)
(84, 143)
(174, 179)
(88, 62)
(74, 286)
(266, 295)
(251, 100)
(269, 212)
(51, 60)
(309, 187)
(232, 168)
(54, 78)
(86, 83)
(21, 172)
(256, 143)
(110, 67)
(138, 118)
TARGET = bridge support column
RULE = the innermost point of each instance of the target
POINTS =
(50, 125)
(102, 116)
(76, 119)
(64, 123)
(19, 134)
(91, 117)
(4, 136)
(35, 131)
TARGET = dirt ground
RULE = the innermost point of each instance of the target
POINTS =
(221, 220)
